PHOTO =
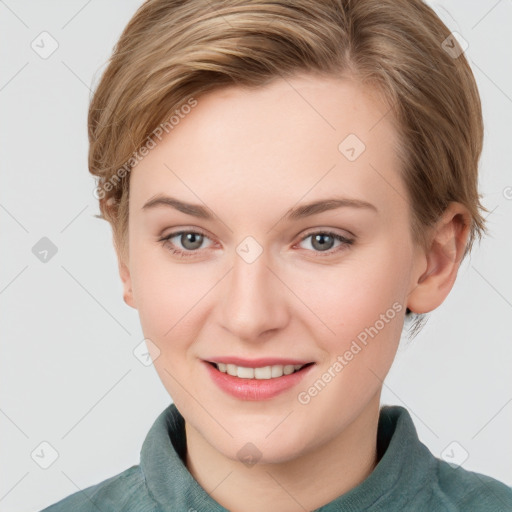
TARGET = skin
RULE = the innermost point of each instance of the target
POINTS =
(249, 155)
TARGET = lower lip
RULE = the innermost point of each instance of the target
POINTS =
(255, 389)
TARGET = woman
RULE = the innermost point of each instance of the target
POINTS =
(287, 183)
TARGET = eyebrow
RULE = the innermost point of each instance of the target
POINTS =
(298, 212)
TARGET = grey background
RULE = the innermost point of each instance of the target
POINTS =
(68, 373)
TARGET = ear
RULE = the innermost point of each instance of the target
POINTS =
(124, 272)
(109, 206)
(444, 254)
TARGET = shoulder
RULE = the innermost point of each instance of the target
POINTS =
(469, 491)
(125, 492)
(427, 483)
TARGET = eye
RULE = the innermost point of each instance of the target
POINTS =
(191, 242)
(323, 241)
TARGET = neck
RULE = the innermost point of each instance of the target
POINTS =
(304, 483)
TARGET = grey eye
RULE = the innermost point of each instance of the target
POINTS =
(190, 240)
(322, 241)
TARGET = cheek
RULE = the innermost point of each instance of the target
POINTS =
(359, 308)
(173, 301)
(164, 292)
(350, 297)
(168, 297)
(363, 307)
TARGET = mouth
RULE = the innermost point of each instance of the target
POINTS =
(259, 373)
(256, 383)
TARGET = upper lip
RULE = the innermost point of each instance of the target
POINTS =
(257, 363)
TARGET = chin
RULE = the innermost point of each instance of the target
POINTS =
(259, 447)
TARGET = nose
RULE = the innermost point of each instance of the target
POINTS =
(254, 300)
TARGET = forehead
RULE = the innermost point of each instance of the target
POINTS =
(303, 137)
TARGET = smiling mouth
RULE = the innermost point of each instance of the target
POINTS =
(260, 373)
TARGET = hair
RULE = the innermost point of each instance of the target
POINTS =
(173, 51)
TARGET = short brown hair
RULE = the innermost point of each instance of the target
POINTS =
(174, 50)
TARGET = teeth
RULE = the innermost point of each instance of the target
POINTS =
(289, 368)
(265, 372)
(231, 369)
(262, 373)
(244, 373)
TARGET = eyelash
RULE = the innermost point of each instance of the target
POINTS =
(346, 242)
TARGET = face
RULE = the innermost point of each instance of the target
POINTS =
(257, 280)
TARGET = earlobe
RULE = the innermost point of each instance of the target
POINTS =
(124, 273)
(444, 255)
